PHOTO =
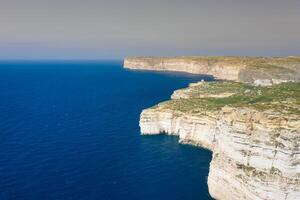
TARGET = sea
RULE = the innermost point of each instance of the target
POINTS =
(69, 130)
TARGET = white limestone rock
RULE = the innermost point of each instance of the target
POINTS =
(255, 154)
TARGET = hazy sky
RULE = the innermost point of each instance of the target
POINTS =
(97, 29)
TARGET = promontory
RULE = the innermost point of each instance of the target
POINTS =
(249, 118)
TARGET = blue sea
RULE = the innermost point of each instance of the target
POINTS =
(69, 130)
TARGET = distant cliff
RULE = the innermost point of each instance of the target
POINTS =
(258, 70)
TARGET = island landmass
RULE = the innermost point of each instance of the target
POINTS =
(249, 118)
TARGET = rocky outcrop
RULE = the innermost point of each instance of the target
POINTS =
(255, 155)
(255, 149)
(253, 131)
(262, 70)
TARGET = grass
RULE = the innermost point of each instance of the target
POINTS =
(215, 88)
(283, 98)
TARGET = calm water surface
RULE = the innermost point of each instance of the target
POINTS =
(69, 130)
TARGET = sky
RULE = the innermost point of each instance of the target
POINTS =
(113, 29)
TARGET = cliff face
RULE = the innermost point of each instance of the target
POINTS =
(255, 144)
(259, 70)
(253, 131)
(228, 70)
(253, 156)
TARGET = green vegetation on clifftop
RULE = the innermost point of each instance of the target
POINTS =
(283, 98)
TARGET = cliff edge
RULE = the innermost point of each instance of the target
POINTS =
(257, 70)
(253, 132)
(250, 121)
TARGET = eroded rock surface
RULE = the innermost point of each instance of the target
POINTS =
(263, 70)
(253, 132)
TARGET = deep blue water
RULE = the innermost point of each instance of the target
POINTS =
(69, 130)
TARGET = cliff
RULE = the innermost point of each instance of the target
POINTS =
(253, 132)
(258, 70)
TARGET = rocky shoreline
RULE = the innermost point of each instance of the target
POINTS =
(258, 70)
(253, 132)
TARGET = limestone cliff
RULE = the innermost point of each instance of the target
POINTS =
(253, 132)
(258, 70)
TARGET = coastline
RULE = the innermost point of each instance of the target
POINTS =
(255, 148)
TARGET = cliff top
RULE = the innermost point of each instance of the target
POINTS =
(249, 61)
(283, 98)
